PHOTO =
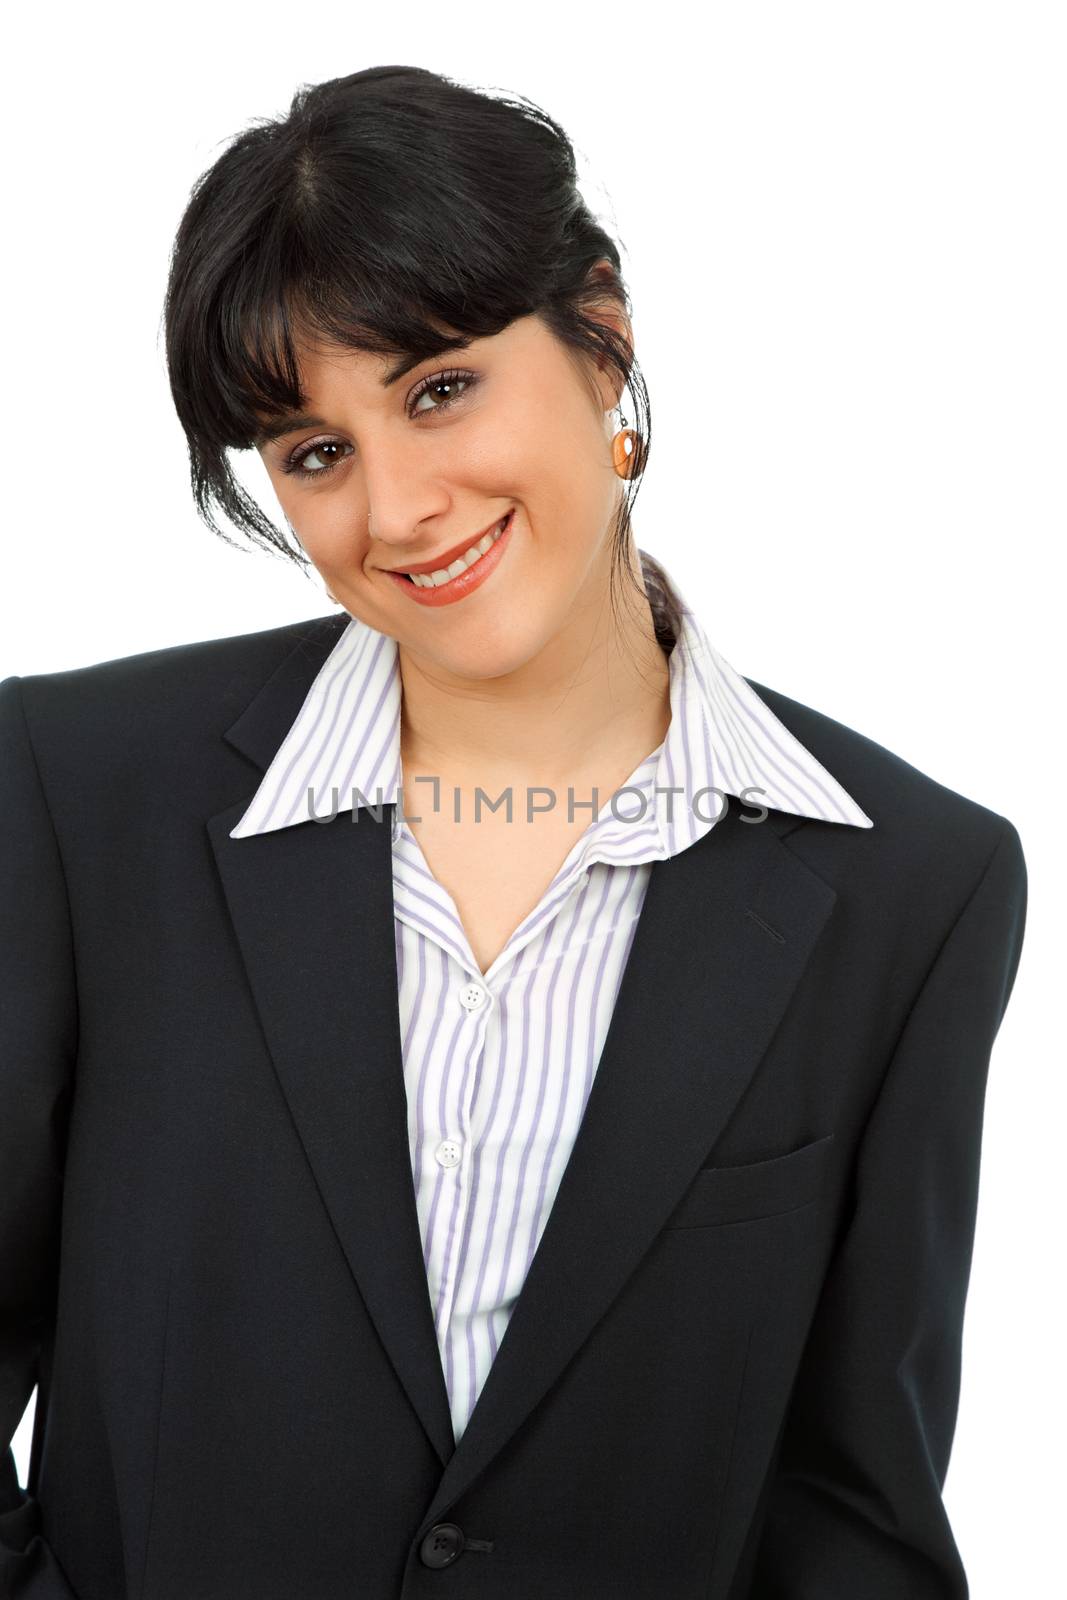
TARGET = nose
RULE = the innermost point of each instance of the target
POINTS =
(402, 497)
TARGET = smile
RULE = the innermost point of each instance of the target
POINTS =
(467, 573)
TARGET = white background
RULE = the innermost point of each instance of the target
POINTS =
(843, 229)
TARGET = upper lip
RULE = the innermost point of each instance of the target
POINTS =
(447, 558)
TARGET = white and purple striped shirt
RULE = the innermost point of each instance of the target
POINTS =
(498, 1066)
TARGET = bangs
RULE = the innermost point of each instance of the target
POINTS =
(313, 274)
(255, 369)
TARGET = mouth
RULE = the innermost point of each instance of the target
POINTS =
(445, 565)
(442, 581)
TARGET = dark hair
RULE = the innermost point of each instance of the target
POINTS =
(389, 211)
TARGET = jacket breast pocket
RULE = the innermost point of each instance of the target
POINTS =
(757, 1189)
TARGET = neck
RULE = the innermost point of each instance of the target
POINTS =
(596, 698)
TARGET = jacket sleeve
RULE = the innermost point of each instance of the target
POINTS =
(38, 1031)
(854, 1506)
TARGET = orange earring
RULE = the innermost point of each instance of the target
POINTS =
(625, 448)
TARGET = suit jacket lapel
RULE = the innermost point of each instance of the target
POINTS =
(726, 931)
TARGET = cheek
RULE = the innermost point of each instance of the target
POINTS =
(330, 533)
(574, 489)
(550, 458)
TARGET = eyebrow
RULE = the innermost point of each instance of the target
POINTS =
(292, 421)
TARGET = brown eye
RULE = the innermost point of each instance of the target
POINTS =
(451, 386)
(328, 449)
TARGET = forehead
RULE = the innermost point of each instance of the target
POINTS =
(329, 362)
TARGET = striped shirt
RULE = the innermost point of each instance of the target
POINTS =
(498, 1065)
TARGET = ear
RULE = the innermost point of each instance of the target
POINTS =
(607, 306)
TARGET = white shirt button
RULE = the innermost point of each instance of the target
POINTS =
(449, 1153)
(472, 995)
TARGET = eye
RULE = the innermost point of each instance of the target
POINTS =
(453, 384)
(452, 387)
(295, 463)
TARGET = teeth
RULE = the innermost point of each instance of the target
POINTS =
(434, 580)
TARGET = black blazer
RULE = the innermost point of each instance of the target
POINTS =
(733, 1370)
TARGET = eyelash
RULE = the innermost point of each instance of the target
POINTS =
(294, 463)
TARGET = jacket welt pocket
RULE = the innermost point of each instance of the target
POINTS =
(757, 1189)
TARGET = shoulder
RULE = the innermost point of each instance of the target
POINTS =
(205, 678)
(923, 831)
(156, 717)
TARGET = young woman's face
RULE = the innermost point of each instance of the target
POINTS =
(422, 469)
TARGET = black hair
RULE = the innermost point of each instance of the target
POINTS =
(399, 212)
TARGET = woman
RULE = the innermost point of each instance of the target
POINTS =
(484, 1085)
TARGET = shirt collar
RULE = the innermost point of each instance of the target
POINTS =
(343, 751)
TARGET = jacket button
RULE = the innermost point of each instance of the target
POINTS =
(442, 1545)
